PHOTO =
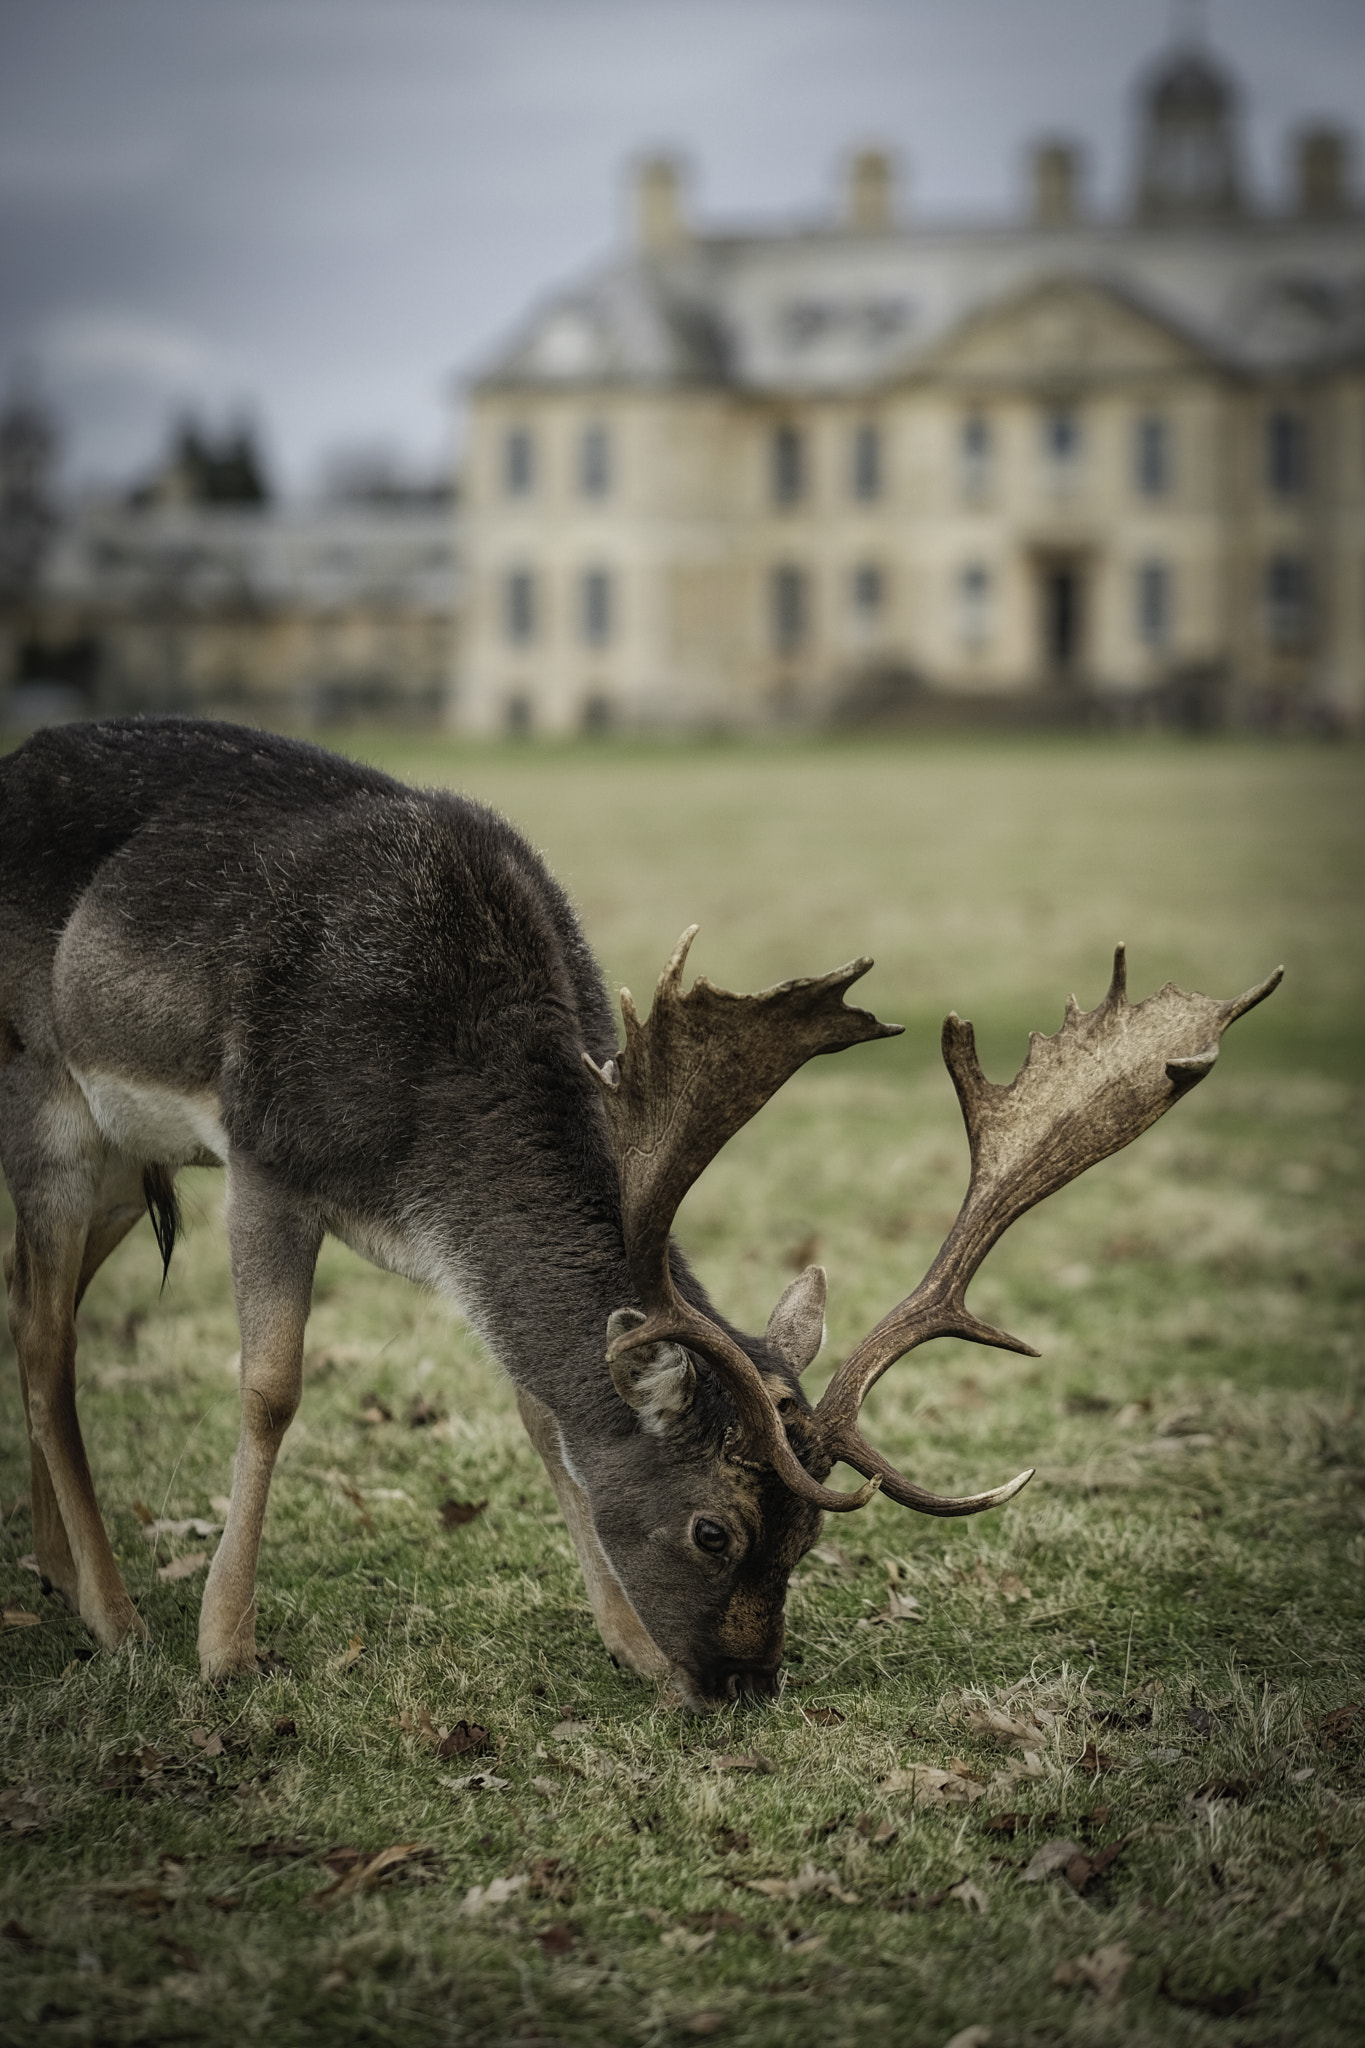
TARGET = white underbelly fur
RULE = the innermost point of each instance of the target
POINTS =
(153, 1123)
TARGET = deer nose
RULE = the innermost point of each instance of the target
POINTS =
(732, 1678)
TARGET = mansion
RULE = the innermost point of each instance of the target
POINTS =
(1063, 461)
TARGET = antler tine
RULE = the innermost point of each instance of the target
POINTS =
(1083, 1093)
(685, 1081)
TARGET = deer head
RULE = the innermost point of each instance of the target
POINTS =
(702, 1535)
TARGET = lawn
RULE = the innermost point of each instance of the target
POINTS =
(1155, 1657)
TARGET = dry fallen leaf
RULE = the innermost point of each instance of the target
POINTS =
(143, 1513)
(1101, 1971)
(374, 1410)
(455, 1513)
(1052, 1857)
(759, 1764)
(704, 2023)
(932, 1787)
(682, 1939)
(370, 1870)
(466, 1738)
(183, 1567)
(877, 1831)
(969, 1895)
(1003, 1728)
(19, 1617)
(808, 1883)
(564, 1731)
(354, 1650)
(23, 1812)
(477, 1781)
(970, 2037)
(211, 1745)
(899, 1607)
(192, 1525)
(557, 1939)
(823, 1717)
(480, 1896)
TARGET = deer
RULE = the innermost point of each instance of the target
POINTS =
(375, 1010)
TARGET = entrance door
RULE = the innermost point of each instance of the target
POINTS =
(1063, 620)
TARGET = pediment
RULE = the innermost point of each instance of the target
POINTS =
(1063, 329)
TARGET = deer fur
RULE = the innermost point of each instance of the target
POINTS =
(369, 1005)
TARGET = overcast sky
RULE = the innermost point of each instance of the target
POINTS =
(325, 211)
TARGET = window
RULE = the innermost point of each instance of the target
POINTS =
(868, 590)
(1288, 599)
(867, 463)
(789, 465)
(974, 604)
(519, 715)
(594, 462)
(1152, 593)
(790, 608)
(520, 606)
(518, 462)
(974, 447)
(1152, 455)
(596, 607)
(1061, 436)
(1286, 452)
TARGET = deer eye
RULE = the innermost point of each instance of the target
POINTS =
(708, 1535)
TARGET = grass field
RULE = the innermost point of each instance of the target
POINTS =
(1156, 1655)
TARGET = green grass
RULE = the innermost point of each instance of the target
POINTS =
(1195, 1538)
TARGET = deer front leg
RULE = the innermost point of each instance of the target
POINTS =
(274, 1252)
(73, 1550)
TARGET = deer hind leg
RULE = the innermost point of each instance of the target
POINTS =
(274, 1251)
(42, 1271)
(119, 1205)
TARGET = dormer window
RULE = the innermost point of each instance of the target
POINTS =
(1061, 436)
(1286, 452)
(975, 451)
(1152, 455)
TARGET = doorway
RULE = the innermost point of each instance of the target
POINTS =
(1062, 593)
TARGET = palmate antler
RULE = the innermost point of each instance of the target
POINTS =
(705, 1062)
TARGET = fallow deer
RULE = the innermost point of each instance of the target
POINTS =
(375, 1009)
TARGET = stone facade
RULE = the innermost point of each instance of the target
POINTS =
(833, 471)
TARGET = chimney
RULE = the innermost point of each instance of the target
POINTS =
(1322, 160)
(659, 220)
(871, 193)
(1056, 184)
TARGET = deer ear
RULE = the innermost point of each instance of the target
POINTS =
(657, 1381)
(796, 1327)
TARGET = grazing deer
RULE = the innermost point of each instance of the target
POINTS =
(375, 1009)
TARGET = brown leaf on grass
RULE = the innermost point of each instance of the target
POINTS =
(1341, 1724)
(211, 1745)
(733, 1841)
(1095, 1760)
(364, 1517)
(280, 1848)
(24, 1812)
(1007, 1824)
(1220, 2005)
(369, 1870)
(1083, 1870)
(931, 1787)
(716, 1923)
(1005, 1729)
(185, 1958)
(374, 1410)
(285, 1725)
(143, 1513)
(1047, 1861)
(183, 1567)
(1012, 1588)
(548, 1878)
(568, 1728)
(1101, 1971)
(823, 1717)
(477, 1781)
(899, 1607)
(191, 1525)
(757, 1764)
(480, 1896)
(423, 1414)
(808, 1883)
(557, 1939)
(31, 1564)
(876, 1829)
(466, 1738)
(704, 2023)
(352, 1654)
(1096, 1817)
(455, 1513)
(968, 1895)
(1233, 1790)
(19, 1617)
